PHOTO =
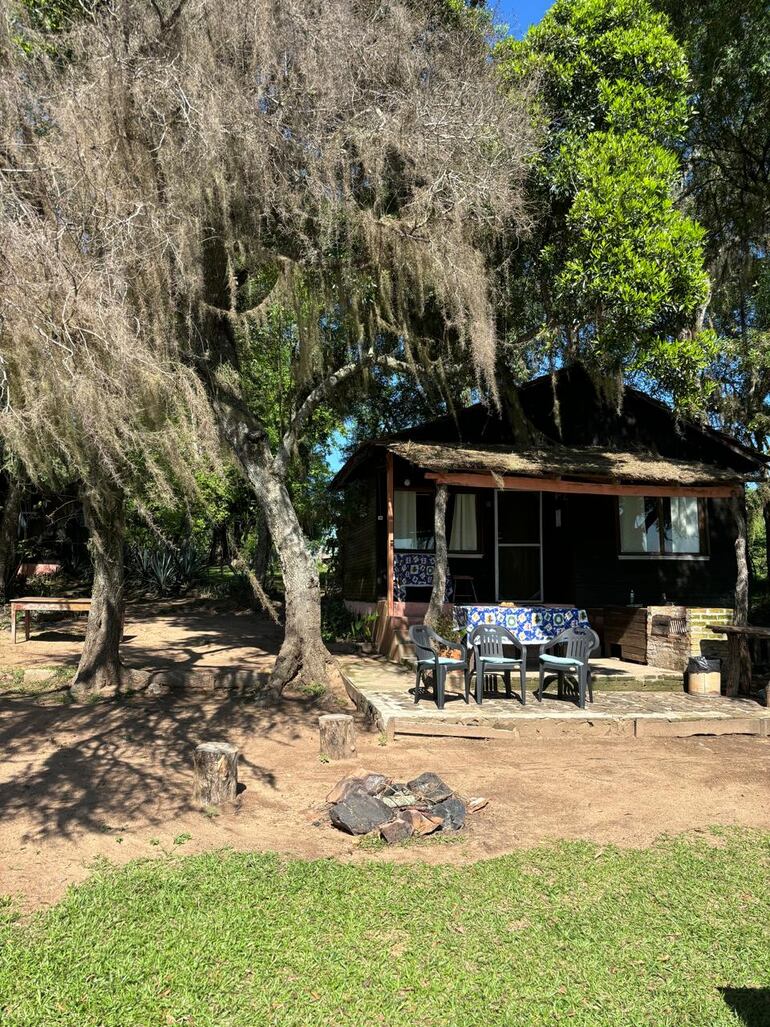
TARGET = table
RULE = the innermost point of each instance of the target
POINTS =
(738, 655)
(27, 604)
(533, 625)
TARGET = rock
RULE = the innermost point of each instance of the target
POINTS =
(399, 800)
(374, 784)
(360, 813)
(344, 787)
(397, 830)
(362, 780)
(475, 804)
(452, 813)
(430, 787)
(421, 823)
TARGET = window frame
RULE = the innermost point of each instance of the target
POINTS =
(661, 554)
(460, 554)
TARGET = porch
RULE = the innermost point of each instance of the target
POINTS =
(629, 701)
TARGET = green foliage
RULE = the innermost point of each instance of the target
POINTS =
(617, 937)
(336, 619)
(727, 150)
(168, 570)
(614, 272)
(446, 627)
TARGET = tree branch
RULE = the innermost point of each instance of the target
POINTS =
(322, 392)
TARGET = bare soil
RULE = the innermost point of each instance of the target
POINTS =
(115, 780)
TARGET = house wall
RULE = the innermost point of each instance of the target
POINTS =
(580, 552)
(361, 537)
(601, 578)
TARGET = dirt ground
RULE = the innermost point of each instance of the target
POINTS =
(114, 780)
(177, 634)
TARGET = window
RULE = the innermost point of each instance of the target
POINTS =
(413, 517)
(464, 535)
(661, 526)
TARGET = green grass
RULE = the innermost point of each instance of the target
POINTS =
(14, 681)
(571, 934)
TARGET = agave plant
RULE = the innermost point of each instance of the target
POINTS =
(190, 563)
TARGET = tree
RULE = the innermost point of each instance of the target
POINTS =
(613, 274)
(727, 154)
(351, 162)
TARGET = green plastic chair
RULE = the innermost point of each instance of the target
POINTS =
(578, 643)
(428, 660)
(487, 644)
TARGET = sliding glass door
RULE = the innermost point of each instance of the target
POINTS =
(519, 550)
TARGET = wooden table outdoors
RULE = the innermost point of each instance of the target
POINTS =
(27, 604)
(738, 655)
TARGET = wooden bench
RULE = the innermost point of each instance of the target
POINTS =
(27, 604)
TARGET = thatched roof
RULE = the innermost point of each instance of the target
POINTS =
(582, 464)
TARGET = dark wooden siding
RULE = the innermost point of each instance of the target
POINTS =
(358, 541)
(602, 579)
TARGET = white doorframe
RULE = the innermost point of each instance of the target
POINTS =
(517, 545)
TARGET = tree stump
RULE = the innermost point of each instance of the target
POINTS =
(216, 773)
(338, 736)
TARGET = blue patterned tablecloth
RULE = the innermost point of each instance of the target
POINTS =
(530, 624)
(415, 569)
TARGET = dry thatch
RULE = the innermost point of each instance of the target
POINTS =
(582, 464)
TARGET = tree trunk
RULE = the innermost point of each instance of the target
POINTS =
(303, 657)
(766, 519)
(215, 774)
(100, 672)
(263, 551)
(739, 657)
(9, 530)
(337, 736)
(438, 592)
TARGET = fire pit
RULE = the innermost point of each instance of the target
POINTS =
(367, 802)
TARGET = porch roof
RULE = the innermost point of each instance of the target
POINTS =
(583, 464)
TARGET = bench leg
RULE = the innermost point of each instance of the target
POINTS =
(13, 625)
(27, 624)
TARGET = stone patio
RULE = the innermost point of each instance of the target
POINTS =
(385, 693)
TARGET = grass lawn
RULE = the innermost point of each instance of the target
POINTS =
(570, 934)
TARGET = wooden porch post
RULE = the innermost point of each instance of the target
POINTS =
(738, 655)
(389, 519)
(438, 591)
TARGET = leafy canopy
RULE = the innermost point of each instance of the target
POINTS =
(614, 272)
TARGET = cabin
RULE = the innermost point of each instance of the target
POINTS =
(568, 502)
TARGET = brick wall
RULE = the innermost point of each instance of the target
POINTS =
(675, 633)
(702, 641)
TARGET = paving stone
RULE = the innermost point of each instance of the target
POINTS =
(385, 688)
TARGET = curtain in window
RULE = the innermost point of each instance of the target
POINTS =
(639, 530)
(685, 525)
(463, 538)
(405, 520)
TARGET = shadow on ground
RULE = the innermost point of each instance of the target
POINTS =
(752, 1005)
(75, 768)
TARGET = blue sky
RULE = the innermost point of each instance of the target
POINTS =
(520, 14)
